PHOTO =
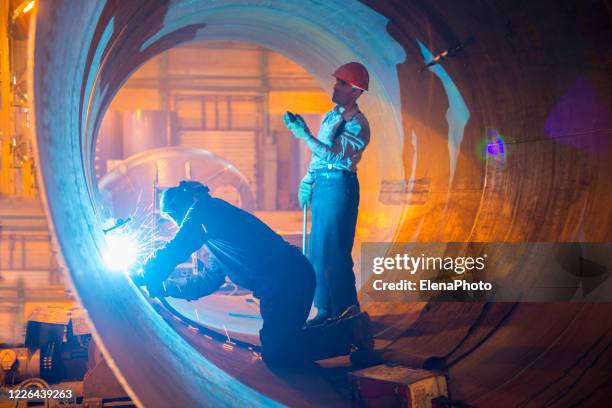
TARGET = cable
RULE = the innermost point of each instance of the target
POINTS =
(208, 331)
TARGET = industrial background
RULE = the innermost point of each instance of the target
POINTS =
(491, 121)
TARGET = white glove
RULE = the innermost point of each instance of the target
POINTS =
(297, 125)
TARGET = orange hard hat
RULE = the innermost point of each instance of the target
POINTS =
(355, 74)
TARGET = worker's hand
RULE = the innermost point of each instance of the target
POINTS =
(297, 125)
(148, 276)
(154, 286)
(304, 193)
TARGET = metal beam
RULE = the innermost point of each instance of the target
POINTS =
(5, 98)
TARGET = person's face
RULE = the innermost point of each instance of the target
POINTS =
(344, 94)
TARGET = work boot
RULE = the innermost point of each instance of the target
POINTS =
(322, 317)
(363, 338)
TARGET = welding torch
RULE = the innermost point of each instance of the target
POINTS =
(120, 223)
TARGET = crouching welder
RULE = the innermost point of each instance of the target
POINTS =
(253, 256)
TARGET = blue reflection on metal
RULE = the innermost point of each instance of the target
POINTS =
(493, 149)
(92, 76)
(457, 114)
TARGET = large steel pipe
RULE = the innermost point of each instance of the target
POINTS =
(533, 75)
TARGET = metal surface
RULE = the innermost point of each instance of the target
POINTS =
(147, 339)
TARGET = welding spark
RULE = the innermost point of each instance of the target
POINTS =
(127, 245)
(227, 334)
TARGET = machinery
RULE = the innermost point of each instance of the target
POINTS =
(55, 349)
(58, 364)
(54, 357)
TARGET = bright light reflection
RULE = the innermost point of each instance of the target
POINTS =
(122, 251)
(28, 7)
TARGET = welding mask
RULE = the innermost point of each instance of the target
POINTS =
(176, 201)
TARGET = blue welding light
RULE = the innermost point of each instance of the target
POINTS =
(122, 251)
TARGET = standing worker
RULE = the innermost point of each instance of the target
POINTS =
(332, 187)
(253, 256)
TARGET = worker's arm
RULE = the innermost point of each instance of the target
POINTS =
(189, 238)
(353, 139)
(196, 286)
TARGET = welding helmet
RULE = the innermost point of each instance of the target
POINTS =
(355, 74)
(176, 201)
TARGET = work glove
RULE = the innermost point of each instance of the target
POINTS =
(296, 124)
(304, 193)
(147, 276)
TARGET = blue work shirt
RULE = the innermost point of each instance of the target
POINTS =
(333, 150)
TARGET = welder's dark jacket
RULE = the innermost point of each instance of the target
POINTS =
(244, 249)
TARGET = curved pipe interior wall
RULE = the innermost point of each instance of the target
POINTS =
(78, 69)
(86, 50)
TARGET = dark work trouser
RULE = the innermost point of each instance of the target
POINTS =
(335, 203)
(285, 306)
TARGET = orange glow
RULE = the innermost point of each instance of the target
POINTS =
(59, 306)
(302, 102)
(133, 99)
